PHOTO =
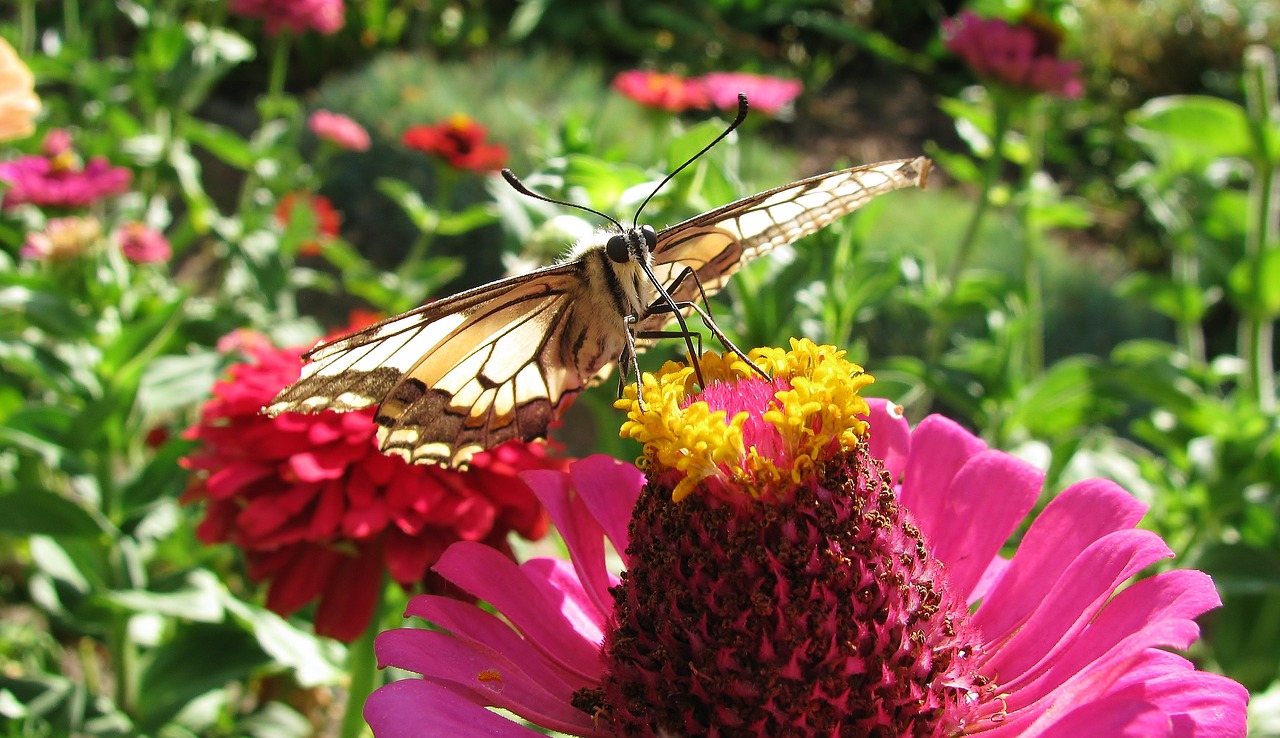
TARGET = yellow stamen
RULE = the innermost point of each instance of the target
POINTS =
(816, 416)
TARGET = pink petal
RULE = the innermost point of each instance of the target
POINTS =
(939, 447)
(487, 677)
(559, 582)
(412, 708)
(580, 530)
(1078, 516)
(473, 625)
(1119, 716)
(492, 577)
(889, 437)
(1072, 601)
(987, 499)
(610, 489)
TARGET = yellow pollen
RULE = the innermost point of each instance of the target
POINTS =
(816, 417)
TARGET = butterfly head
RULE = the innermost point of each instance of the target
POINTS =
(631, 245)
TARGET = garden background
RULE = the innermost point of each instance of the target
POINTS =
(1090, 281)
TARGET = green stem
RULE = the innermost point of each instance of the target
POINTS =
(362, 665)
(1257, 335)
(942, 322)
(71, 21)
(990, 177)
(1031, 241)
(1185, 266)
(445, 180)
(279, 73)
(27, 22)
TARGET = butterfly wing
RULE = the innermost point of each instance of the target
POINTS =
(461, 374)
(716, 244)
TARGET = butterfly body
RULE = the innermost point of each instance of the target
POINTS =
(500, 361)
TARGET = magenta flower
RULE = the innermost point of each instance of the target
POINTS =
(1022, 56)
(669, 92)
(339, 129)
(56, 143)
(58, 183)
(821, 575)
(323, 16)
(766, 94)
(143, 245)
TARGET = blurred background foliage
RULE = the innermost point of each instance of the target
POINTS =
(1113, 320)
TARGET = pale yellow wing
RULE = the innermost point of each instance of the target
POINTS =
(716, 244)
(462, 374)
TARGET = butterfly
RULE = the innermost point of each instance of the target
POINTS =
(499, 362)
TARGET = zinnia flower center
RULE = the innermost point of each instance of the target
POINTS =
(784, 591)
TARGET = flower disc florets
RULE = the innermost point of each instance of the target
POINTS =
(776, 587)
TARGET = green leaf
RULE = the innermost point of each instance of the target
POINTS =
(200, 658)
(200, 600)
(36, 512)
(223, 143)
(1060, 402)
(456, 224)
(1191, 130)
(174, 382)
(1255, 286)
(47, 310)
(315, 661)
(424, 217)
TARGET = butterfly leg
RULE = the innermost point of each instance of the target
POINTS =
(661, 306)
(630, 361)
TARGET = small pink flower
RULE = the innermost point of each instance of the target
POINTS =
(851, 583)
(56, 143)
(663, 91)
(58, 183)
(62, 239)
(18, 101)
(767, 94)
(143, 245)
(1022, 56)
(323, 16)
(339, 129)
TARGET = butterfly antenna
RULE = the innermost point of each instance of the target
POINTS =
(742, 115)
(518, 186)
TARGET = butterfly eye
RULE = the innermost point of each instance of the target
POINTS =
(650, 237)
(616, 248)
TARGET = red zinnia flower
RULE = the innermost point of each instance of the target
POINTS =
(339, 129)
(766, 94)
(459, 141)
(325, 16)
(1022, 56)
(58, 182)
(663, 91)
(328, 222)
(321, 513)
(143, 245)
(789, 573)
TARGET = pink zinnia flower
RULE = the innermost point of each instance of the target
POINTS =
(767, 94)
(324, 16)
(58, 183)
(321, 514)
(57, 142)
(460, 141)
(143, 245)
(801, 564)
(62, 239)
(339, 129)
(663, 91)
(1022, 56)
(19, 104)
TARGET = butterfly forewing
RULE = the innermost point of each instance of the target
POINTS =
(498, 362)
(718, 243)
